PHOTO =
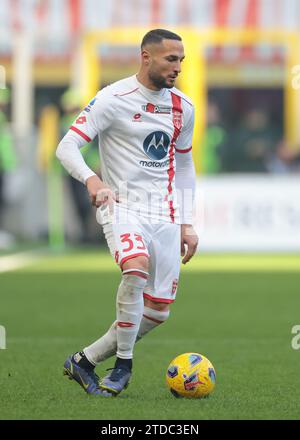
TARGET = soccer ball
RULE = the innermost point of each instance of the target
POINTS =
(191, 375)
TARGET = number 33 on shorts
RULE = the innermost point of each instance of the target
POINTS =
(130, 245)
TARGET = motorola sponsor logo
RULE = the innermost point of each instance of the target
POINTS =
(156, 146)
(153, 164)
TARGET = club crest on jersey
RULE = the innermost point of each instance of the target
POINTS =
(174, 286)
(160, 109)
(177, 119)
(156, 145)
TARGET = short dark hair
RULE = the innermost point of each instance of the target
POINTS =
(157, 35)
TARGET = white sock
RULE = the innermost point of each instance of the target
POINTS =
(130, 306)
(151, 319)
(106, 346)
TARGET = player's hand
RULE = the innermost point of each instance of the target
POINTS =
(189, 240)
(100, 194)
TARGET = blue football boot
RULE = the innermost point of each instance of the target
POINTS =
(86, 378)
(116, 381)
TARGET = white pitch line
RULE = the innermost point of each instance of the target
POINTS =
(16, 261)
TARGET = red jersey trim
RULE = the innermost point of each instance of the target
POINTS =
(159, 300)
(184, 99)
(83, 135)
(183, 151)
(127, 93)
(177, 123)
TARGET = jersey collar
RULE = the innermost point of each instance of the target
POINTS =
(147, 92)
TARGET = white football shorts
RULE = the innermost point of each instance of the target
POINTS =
(129, 235)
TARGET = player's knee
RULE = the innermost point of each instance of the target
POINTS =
(162, 307)
(155, 315)
(131, 289)
(132, 285)
(139, 263)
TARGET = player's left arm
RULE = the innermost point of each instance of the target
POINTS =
(185, 179)
(185, 185)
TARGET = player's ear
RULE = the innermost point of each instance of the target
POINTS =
(146, 57)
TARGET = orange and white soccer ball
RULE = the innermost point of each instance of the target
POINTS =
(191, 375)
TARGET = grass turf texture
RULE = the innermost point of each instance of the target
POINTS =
(240, 319)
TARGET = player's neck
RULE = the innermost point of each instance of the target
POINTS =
(146, 82)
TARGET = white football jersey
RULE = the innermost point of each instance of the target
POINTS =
(139, 131)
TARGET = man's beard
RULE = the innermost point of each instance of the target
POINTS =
(159, 82)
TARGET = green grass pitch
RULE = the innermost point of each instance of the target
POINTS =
(236, 310)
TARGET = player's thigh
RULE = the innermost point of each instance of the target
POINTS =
(128, 244)
(136, 263)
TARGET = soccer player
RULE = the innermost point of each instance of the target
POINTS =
(144, 199)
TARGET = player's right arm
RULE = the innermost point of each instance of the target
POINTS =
(84, 129)
(100, 193)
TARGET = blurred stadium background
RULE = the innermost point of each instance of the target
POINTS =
(242, 70)
(238, 300)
